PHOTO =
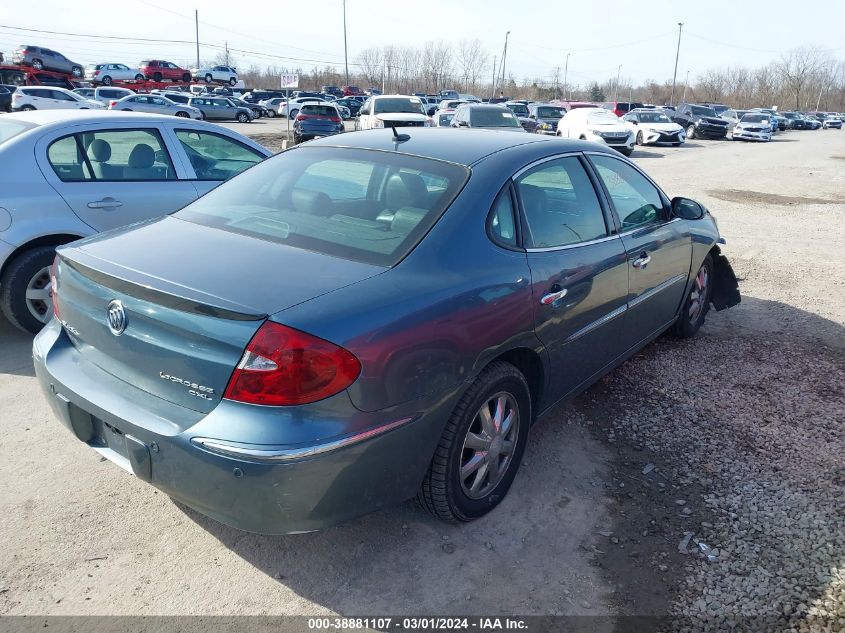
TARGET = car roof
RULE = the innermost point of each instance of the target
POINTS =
(59, 118)
(465, 147)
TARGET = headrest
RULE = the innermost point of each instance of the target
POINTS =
(142, 157)
(100, 150)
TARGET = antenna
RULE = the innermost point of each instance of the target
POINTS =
(399, 138)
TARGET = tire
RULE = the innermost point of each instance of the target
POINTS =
(184, 115)
(639, 138)
(293, 114)
(696, 303)
(271, 113)
(28, 272)
(243, 117)
(156, 76)
(208, 78)
(232, 81)
(76, 71)
(139, 77)
(690, 132)
(37, 64)
(186, 77)
(444, 492)
(27, 108)
(626, 151)
(256, 114)
(106, 81)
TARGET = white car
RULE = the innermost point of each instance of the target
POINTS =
(272, 105)
(754, 126)
(155, 104)
(70, 174)
(49, 98)
(599, 126)
(293, 106)
(225, 74)
(386, 110)
(107, 73)
(652, 127)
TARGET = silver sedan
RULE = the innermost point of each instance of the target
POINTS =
(155, 104)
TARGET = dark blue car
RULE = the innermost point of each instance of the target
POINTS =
(316, 119)
(363, 319)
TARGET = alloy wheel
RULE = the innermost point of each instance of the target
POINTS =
(699, 294)
(38, 295)
(489, 445)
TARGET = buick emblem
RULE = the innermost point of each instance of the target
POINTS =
(116, 316)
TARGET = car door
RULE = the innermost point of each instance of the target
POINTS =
(578, 269)
(114, 176)
(222, 110)
(658, 247)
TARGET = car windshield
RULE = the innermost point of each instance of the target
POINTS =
(550, 113)
(492, 117)
(518, 109)
(319, 110)
(755, 118)
(602, 117)
(445, 119)
(398, 104)
(653, 117)
(356, 204)
(702, 111)
(10, 129)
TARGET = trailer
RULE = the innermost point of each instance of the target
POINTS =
(18, 75)
(148, 85)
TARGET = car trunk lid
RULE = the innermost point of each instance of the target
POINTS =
(192, 298)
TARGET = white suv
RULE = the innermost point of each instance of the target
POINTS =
(50, 98)
(392, 110)
(226, 74)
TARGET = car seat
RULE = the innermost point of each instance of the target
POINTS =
(99, 152)
(403, 190)
(141, 161)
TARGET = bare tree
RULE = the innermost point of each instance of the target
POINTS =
(798, 66)
(472, 59)
(370, 63)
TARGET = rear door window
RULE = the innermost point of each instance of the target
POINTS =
(358, 204)
(112, 156)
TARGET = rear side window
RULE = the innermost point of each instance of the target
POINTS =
(502, 225)
(216, 157)
(357, 204)
(560, 205)
(111, 156)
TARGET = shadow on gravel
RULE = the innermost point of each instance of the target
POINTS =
(15, 350)
(644, 154)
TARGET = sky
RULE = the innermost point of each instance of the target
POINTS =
(599, 35)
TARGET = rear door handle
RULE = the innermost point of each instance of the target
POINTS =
(641, 261)
(105, 203)
(552, 297)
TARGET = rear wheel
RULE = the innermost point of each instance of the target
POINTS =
(25, 298)
(139, 77)
(271, 113)
(107, 81)
(184, 114)
(691, 131)
(186, 77)
(697, 302)
(156, 76)
(639, 138)
(293, 114)
(27, 108)
(481, 447)
(208, 78)
(37, 64)
(243, 117)
(76, 71)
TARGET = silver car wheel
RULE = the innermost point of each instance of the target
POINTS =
(698, 294)
(38, 295)
(489, 445)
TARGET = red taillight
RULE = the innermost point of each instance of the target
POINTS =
(334, 119)
(112, 104)
(301, 117)
(282, 367)
(54, 286)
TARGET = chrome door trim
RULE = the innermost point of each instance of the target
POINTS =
(562, 247)
(658, 288)
(649, 227)
(597, 323)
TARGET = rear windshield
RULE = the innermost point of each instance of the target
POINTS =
(755, 118)
(550, 113)
(364, 205)
(319, 110)
(10, 129)
(518, 108)
(492, 117)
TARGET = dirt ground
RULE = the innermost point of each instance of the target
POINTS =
(735, 438)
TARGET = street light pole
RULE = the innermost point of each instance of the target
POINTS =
(345, 50)
(504, 58)
(686, 83)
(565, 73)
(616, 89)
(197, 25)
(677, 53)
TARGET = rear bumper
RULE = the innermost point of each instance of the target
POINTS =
(269, 488)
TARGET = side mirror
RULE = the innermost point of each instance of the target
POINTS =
(687, 209)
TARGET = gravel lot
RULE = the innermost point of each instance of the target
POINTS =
(731, 443)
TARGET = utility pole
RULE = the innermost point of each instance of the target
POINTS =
(684, 98)
(677, 53)
(565, 74)
(226, 47)
(557, 81)
(493, 93)
(616, 89)
(197, 25)
(504, 58)
(345, 50)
